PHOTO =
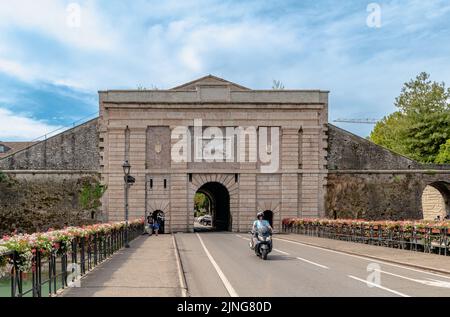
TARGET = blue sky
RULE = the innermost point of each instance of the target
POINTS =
(50, 71)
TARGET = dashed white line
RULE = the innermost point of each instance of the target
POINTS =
(276, 250)
(365, 258)
(378, 286)
(431, 282)
(222, 276)
(313, 263)
(282, 252)
(239, 236)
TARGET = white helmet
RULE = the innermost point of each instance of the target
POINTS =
(260, 214)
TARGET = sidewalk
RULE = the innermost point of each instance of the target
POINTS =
(147, 269)
(432, 262)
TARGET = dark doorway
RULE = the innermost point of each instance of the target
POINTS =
(219, 199)
(158, 216)
(268, 215)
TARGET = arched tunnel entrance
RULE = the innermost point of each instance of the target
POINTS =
(268, 215)
(436, 201)
(217, 205)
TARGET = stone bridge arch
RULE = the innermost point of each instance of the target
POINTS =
(431, 202)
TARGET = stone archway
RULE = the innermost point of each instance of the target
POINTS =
(268, 215)
(160, 217)
(220, 205)
(223, 189)
(436, 200)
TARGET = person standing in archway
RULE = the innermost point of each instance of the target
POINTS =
(156, 227)
(150, 225)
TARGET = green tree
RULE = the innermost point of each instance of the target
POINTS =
(90, 196)
(388, 132)
(443, 156)
(200, 204)
(422, 123)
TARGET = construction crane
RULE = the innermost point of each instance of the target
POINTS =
(365, 121)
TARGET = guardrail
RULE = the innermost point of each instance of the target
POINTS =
(49, 272)
(420, 237)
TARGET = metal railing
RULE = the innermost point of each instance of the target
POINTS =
(428, 240)
(61, 269)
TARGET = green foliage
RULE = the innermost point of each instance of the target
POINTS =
(90, 195)
(389, 132)
(3, 177)
(422, 123)
(201, 204)
(443, 156)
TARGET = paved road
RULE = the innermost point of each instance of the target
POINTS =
(221, 264)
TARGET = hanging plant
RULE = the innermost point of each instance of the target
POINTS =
(53, 241)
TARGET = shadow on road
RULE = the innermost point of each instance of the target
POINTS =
(276, 257)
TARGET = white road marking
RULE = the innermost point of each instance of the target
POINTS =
(239, 236)
(222, 276)
(282, 252)
(276, 250)
(378, 286)
(365, 258)
(180, 269)
(430, 282)
(313, 263)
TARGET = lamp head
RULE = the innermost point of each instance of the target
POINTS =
(126, 167)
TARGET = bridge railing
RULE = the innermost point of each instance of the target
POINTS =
(42, 272)
(413, 236)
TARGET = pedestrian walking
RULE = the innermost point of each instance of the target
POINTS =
(150, 225)
(156, 227)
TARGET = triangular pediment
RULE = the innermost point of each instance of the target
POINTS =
(209, 80)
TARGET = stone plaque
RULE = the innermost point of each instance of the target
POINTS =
(158, 147)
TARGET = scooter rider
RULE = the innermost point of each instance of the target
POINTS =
(258, 223)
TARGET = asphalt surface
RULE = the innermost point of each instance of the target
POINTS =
(222, 264)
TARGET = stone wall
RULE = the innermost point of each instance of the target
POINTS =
(31, 202)
(370, 182)
(44, 181)
(347, 151)
(74, 149)
(373, 196)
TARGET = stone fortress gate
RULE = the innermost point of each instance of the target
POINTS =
(266, 150)
(247, 150)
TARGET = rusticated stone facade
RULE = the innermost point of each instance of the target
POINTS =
(139, 126)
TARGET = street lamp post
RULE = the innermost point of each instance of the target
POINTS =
(128, 181)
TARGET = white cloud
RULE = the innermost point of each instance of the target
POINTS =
(51, 18)
(17, 127)
(165, 43)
